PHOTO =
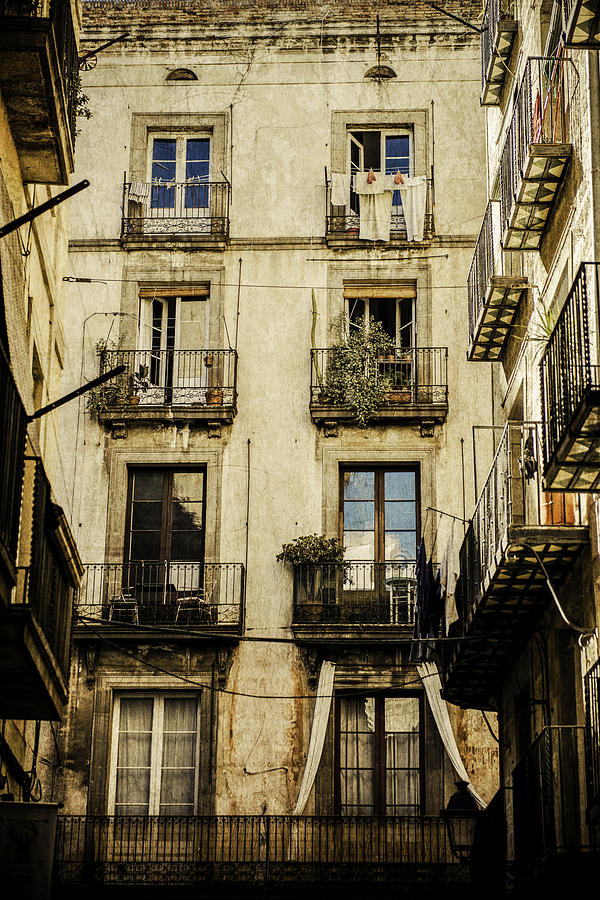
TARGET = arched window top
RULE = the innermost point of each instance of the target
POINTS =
(182, 75)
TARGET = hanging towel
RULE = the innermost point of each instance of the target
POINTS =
(375, 206)
(449, 572)
(428, 607)
(428, 672)
(414, 194)
(139, 191)
(317, 734)
(340, 189)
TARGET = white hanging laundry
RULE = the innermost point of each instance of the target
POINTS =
(414, 194)
(317, 734)
(429, 675)
(340, 189)
(375, 206)
(139, 191)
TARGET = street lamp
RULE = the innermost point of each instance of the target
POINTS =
(460, 818)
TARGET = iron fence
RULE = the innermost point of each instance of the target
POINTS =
(198, 594)
(547, 795)
(566, 370)
(546, 111)
(171, 377)
(485, 262)
(495, 12)
(512, 495)
(355, 592)
(345, 220)
(175, 208)
(171, 850)
(12, 458)
(412, 375)
(592, 734)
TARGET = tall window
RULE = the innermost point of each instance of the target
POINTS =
(393, 306)
(155, 755)
(378, 755)
(383, 151)
(179, 161)
(379, 509)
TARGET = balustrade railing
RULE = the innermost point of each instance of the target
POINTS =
(567, 372)
(12, 458)
(495, 12)
(172, 377)
(484, 263)
(363, 593)
(203, 595)
(546, 111)
(592, 734)
(189, 208)
(191, 849)
(412, 375)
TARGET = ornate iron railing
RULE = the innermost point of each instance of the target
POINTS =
(363, 593)
(345, 220)
(592, 734)
(59, 12)
(549, 795)
(512, 495)
(196, 594)
(566, 369)
(12, 458)
(191, 208)
(45, 586)
(483, 267)
(179, 850)
(495, 12)
(171, 377)
(546, 111)
(417, 375)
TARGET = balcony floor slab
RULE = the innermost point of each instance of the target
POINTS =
(575, 464)
(497, 70)
(543, 172)
(583, 27)
(502, 299)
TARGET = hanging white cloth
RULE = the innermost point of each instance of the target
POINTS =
(375, 205)
(139, 191)
(413, 193)
(317, 734)
(429, 675)
(340, 189)
(449, 572)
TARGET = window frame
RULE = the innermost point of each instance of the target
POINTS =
(158, 698)
(379, 769)
(410, 328)
(180, 203)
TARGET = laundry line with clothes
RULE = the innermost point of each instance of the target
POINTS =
(376, 200)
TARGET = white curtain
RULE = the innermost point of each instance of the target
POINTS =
(428, 672)
(317, 734)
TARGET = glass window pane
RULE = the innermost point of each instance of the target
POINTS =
(400, 514)
(179, 750)
(136, 714)
(359, 515)
(359, 545)
(180, 714)
(147, 485)
(164, 148)
(192, 319)
(187, 516)
(146, 516)
(134, 750)
(401, 714)
(186, 546)
(198, 149)
(188, 485)
(177, 786)
(400, 485)
(133, 785)
(359, 485)
(162, 171)
(145, 545)
(400, 545)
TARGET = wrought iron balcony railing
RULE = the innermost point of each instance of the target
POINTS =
(543, 133)
(344, 221)
(12, 460)
(360, 593)
(592, 740)
(200, 595)
(170, 377)
(549, 796)
(192, 849)
(497, 41)
(571, 389)
(58, 12)
(175, 209)
(494, 294)
(416, 376)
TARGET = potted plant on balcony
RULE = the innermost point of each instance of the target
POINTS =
(138, 382)
(214, 395)
(317, 561)
(113, 393)
(354, 377)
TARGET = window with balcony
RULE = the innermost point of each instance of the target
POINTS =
(155, 755)
(378, 755)
(179, 172)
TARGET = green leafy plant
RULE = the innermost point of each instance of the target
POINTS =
(354, 378)
(312, 548)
